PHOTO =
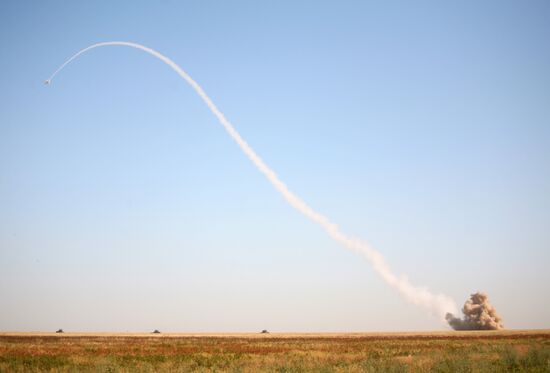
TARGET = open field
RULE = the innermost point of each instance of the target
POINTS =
(513, 351)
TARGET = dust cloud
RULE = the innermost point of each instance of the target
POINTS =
(479, 314)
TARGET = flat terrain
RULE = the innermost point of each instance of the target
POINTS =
(513, 351)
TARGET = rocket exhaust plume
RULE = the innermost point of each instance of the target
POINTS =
(438, 305)
(479, 314)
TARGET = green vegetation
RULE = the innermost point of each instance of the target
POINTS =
(277, 353)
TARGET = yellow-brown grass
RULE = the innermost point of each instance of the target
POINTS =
(515, 350)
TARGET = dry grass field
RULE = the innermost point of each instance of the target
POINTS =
(507, 351)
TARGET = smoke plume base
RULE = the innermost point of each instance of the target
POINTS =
(479, 314)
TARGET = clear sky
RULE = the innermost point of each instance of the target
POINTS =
(420, 127)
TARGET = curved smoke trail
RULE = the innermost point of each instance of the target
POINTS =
(437, 304)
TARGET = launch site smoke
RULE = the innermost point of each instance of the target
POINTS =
(437, 304)
(479, 314)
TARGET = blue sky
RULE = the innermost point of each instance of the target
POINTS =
(422, 128)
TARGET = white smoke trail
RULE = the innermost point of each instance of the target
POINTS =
(437, 304)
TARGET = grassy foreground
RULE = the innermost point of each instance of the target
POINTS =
(507, 351)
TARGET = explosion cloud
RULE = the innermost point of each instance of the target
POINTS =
(479, 314)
